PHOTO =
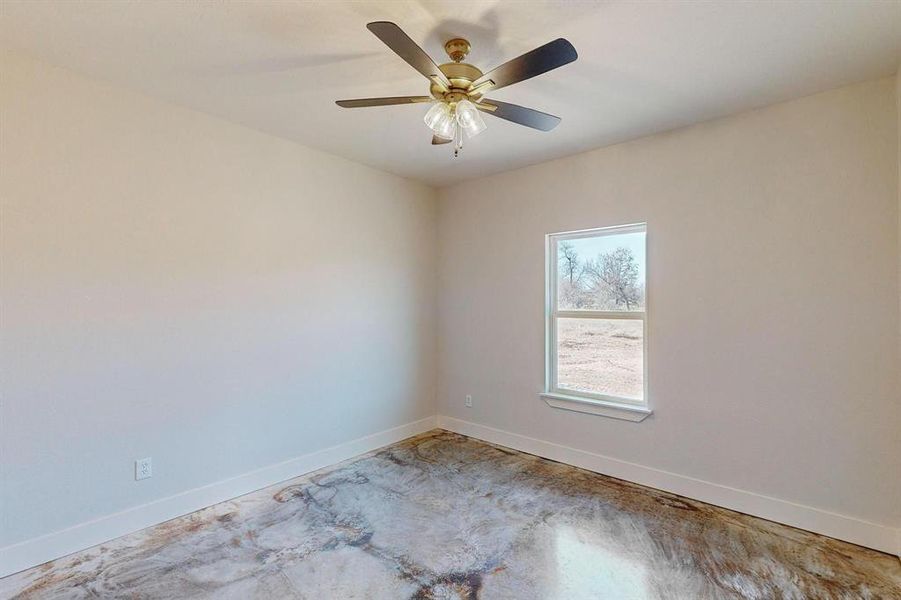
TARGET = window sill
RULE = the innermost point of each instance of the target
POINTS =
(603, 408)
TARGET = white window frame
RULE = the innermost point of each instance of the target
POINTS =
(582, 401)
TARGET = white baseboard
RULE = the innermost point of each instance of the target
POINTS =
(849, 529)
(36, 551)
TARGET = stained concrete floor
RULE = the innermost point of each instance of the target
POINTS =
(445, 516)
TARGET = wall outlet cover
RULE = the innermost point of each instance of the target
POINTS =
(143, 468)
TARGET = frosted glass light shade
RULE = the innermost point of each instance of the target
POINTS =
(446, 128)
(436, 112)
(469, 118)
(441, 121)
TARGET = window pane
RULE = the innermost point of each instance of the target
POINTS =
(601, 356)
(603, 272)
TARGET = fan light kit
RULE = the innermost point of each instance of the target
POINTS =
(457, 88)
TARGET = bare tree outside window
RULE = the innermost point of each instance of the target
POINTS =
(571, 286)
(614, 277)
(611, 281)
(569, 261)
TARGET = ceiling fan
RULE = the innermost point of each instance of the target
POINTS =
(457, 88)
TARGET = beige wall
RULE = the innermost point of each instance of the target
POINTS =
(773, 299)
(179, 287)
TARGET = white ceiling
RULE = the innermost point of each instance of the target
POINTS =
(643, 67)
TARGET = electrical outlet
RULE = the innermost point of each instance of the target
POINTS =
(468, 401)
(143, 468)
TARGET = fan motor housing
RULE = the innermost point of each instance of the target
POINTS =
(461, 76)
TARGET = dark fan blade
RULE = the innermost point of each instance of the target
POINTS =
(395, 38)
(362, 102)
(437, 140)
(540, 60)
(522, 115)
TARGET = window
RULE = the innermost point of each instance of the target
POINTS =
(596, 325)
